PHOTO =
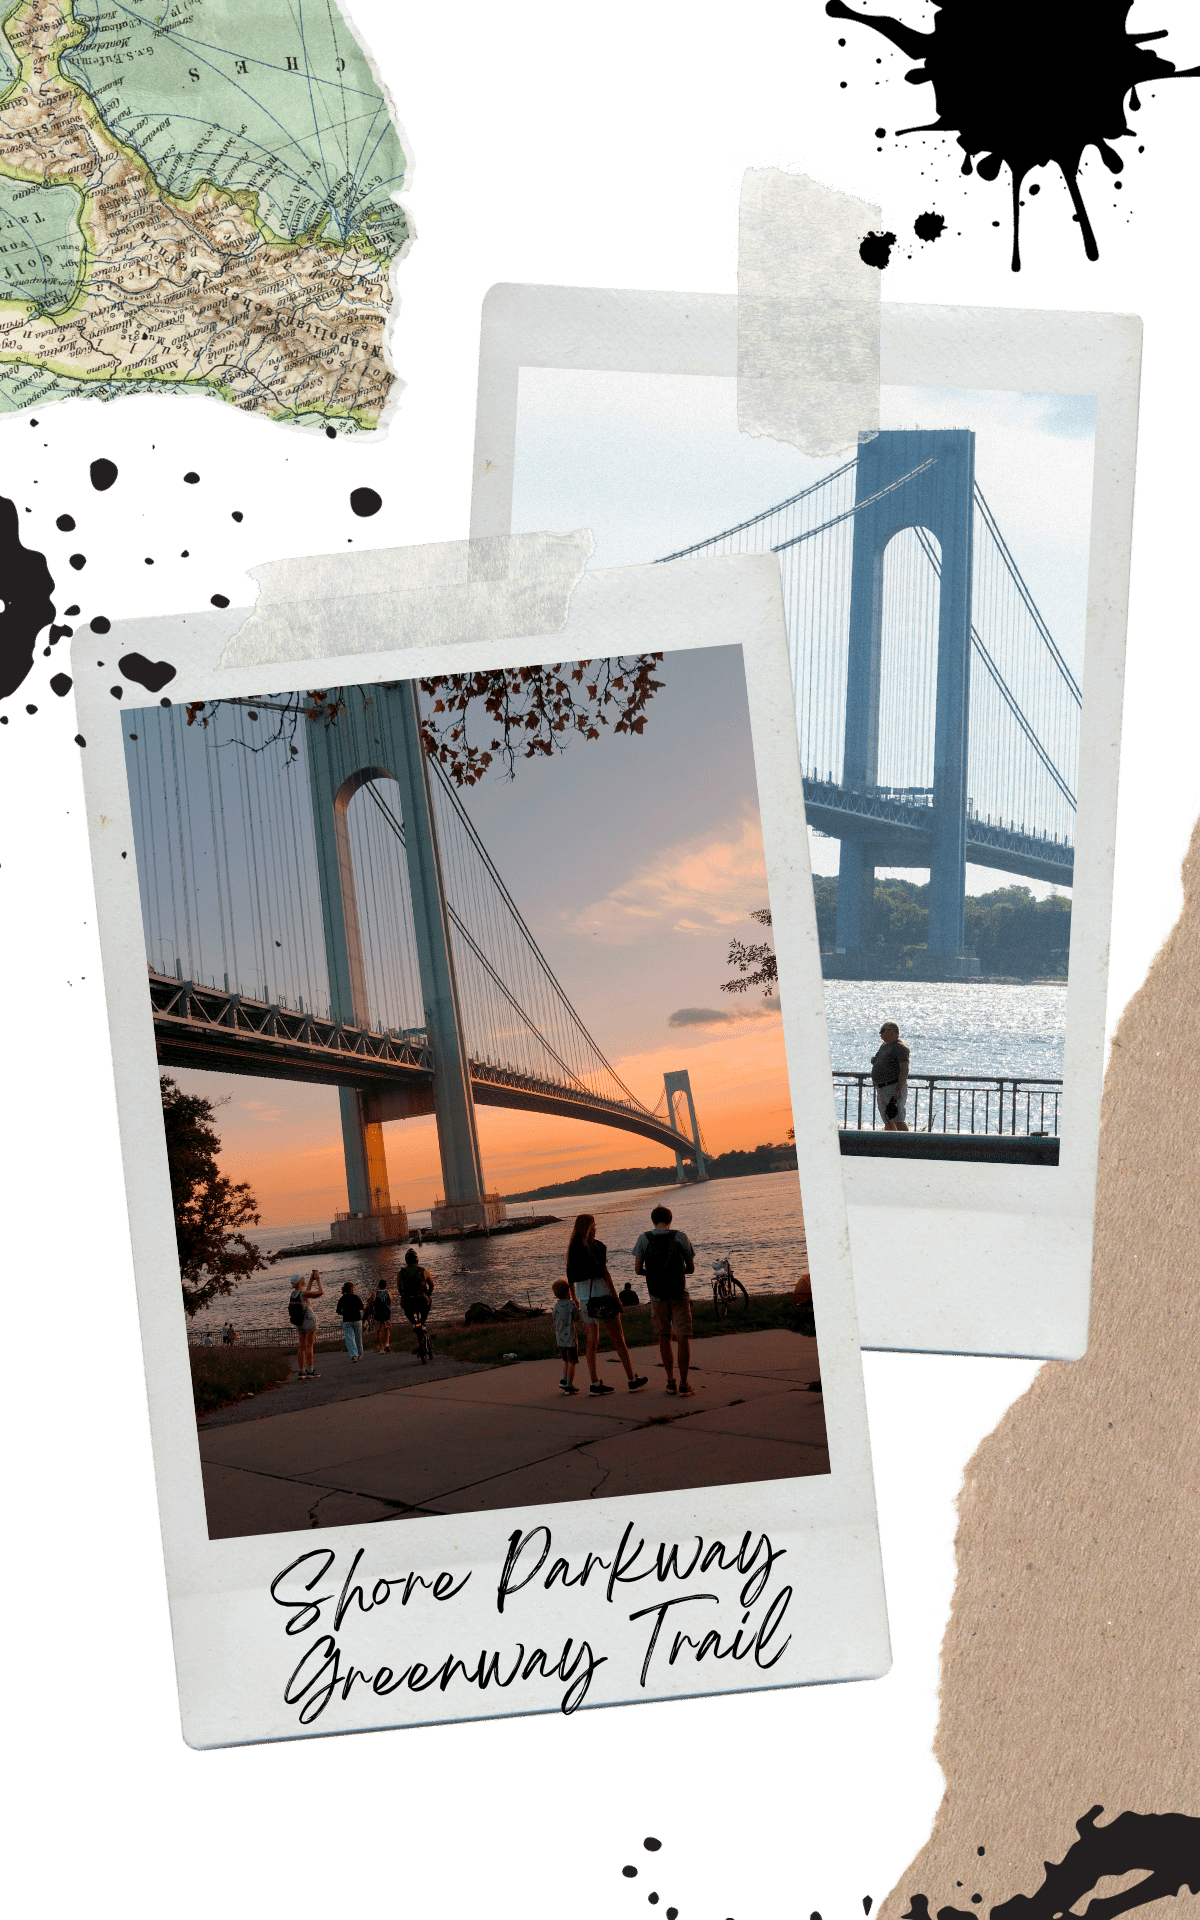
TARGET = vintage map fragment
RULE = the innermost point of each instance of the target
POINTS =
(196, 196)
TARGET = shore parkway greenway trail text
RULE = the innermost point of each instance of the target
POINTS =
(181, 214)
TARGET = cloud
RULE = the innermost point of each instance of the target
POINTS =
(695, 886)
(722, 1016)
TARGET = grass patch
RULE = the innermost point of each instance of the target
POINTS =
(534, 1339)
(222, 1375)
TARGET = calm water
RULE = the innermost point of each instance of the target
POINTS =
(951, 1027)
(757, 1221)
(958, 1026)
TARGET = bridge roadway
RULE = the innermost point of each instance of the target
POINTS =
(225, 1032)
(900, 833)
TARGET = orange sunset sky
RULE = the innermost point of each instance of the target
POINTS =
(634, 862)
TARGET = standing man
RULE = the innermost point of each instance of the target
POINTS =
(665, 1257)
(889, 1077)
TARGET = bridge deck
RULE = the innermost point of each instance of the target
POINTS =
(218, 1032)
(900, 833)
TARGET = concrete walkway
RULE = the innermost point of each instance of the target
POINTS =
(506, 1436)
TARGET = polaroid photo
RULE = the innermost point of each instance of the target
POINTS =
(491, 1251)
(956, 589)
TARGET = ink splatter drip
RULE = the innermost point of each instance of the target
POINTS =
(151, 674)
(651, 1845)
(27, 606)
(364, 501)
(1163, 1846)
(876, 249)
(929, 226)
(1029, 86)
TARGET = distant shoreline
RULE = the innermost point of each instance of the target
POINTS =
(662, 1179)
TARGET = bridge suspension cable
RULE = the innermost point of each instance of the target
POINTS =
(226, 862)
(1023, 739)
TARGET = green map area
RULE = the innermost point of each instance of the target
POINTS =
(198, 195)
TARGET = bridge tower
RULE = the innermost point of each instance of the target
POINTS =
(680, 1082)
(377, 736)
(942, 500)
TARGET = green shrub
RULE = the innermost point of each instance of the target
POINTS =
(221, 1375)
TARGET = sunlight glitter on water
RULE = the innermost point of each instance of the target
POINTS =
(757, 1220)
(954, 1026)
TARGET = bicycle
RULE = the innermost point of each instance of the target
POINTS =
(728, 1290)
(424, 1344)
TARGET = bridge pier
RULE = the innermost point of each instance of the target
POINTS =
(377, 736)
(675, 1083)
(941, 500)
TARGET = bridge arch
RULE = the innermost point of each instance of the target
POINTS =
(920, 485)
(908, 642)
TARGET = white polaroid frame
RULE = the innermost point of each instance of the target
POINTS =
(959, 1257)
(348, 1641)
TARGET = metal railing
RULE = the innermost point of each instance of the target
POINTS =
(1025, 1105)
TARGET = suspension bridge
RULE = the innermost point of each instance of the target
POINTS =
(938, 718)
(318, 906)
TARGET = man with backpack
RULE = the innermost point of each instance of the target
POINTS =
(665, 1257)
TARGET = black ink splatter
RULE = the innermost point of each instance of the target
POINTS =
(116, 692)
(219, 599)
(876, 249)
(27, 604)
(60, 684)
(70, 612)
(651, 1844)
(629, 1872)
(190, 479)
(1029, 87)
(103, 473)
(929, 226)
(151, 674)
(364, 501)
(64, 523)
(78, 561)
(1163, 1846)
(100, 624)
(331, 433)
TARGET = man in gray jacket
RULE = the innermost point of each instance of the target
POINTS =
(889, 1077)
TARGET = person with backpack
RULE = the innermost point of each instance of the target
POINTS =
(350, 1309)
(591, 1287)
(304, 1320)
(381, 1314)
(666, 1257)
(416, 1289)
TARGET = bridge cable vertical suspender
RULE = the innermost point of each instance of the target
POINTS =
(212, 814)
(169, 862)
(148, 865)
(183, 867)
(250, 840)
(195, 871)
(302, 896)
(237, 978)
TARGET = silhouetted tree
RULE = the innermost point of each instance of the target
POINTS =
(756, 963)
(208, 1206)
(525, 711)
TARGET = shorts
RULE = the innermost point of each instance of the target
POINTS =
(416, 1312)
(381, 1319)
(671, 1316)
(569, 1353)
(896, 1090)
